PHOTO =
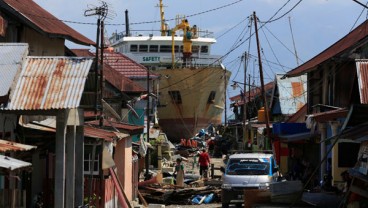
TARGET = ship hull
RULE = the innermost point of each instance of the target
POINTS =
(190, 99)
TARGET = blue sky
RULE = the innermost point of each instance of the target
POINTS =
(316, 24)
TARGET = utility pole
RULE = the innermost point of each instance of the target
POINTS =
(261, 77)
(101, 13)
(225, 77)
(245, 99)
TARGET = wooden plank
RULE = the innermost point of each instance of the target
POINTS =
(142, 199)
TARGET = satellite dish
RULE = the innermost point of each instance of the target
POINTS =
(135, 114)
(111, 110)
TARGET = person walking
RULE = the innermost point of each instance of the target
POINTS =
(179, 172)
(204, 162)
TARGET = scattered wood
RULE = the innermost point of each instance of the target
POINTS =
(144, 202)
(171, 194)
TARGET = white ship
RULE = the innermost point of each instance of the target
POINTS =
(192, 84)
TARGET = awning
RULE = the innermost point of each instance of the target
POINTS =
(9, 146)
(9, 163)
(297, 137)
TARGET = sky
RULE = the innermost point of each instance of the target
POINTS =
(305, 26)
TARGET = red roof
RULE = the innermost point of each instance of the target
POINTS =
(113, 76)
(350, 40)
(253, 93)
(38, 18)
(131, 129)
(126, 66)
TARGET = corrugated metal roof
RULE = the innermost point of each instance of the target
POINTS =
(253, 93)
(89, 131)
(11, 163)
(292, 93)
(30, 12)
(12, 55)
(8, 146)
(123, 126)
(98, 133)
(50, 83)
(362, 73)
(350, 40)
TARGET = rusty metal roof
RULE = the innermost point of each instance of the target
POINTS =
(104, 134)
(89, 131)
(292, 94)
(12, 55)
(10, 163)
(362, 73)
(8, 146)
(118, 125)
(47, 83)
(349, 41)
(36, 17)
(253, 93)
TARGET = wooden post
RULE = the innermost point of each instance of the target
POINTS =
(262, 81)
(79, 165)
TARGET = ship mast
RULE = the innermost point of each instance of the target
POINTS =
(162, 15)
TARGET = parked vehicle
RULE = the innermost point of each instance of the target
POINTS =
(246, 171)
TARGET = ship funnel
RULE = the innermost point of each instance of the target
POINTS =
(127, 30)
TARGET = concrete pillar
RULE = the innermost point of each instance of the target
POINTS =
(323, 130)
(79, 166)
(59, 194)
(70, 166)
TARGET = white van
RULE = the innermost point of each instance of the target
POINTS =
(246, 171)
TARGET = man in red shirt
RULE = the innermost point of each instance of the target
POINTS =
(204, 161)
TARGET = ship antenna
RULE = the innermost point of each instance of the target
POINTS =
(162, 15)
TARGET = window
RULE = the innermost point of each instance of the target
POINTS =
(153, 48)
(165, 48)
(211, 97)
(143, 48)
(88, 159)
(176, 49)
(204, 49)
(133, 48)
(195, 49)
(175, 97)
(248, 166)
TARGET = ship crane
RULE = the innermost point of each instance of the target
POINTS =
(189, 33)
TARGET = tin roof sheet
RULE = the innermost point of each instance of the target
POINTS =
(12, 55)
(253, 93)
(350, 40)
(49, 125)
(8, 146)
(35, 16)
(47, 83)
(11, 163)
(292, 93)
(362, 73)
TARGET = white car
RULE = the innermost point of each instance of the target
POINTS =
(246, 171)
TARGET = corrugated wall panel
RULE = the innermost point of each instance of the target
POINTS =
(50, 83)
(362, 73)
(11, 55)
